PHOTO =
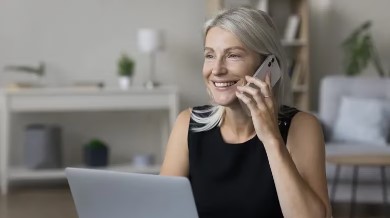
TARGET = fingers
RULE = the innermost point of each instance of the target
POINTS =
(268, 79)
(254, 94)
(248, 101)
(265, 88)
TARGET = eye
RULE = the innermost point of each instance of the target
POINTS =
(234, 56)
(209, 56)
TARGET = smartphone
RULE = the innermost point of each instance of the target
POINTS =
(269, 65)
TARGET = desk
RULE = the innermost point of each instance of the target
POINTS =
(359, 160)
(77, 99)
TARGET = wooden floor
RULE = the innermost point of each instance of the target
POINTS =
(38, 203)
(44, 202)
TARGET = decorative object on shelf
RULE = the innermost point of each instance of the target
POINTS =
(150, 41)
(96, 153)
(39, 71)
(125, 71)
(359, 51)
(262, 5)
(22, 85)
(292, 28)
(88, 84)
(42, 147)
(143, 160)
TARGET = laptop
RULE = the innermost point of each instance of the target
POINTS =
(109, 194)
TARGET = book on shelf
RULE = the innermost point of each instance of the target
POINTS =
(290, 67)
(292, 28)
(296, 74)
(262, 5)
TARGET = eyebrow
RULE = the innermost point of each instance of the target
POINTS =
(228, 49)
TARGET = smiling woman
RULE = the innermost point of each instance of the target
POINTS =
(242, 165)
(246, 52)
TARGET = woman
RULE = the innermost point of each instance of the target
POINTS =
(266, 164)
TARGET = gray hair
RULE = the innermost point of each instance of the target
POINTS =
(257, 31)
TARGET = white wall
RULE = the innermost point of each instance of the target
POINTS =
(82, 40)
(331, 22)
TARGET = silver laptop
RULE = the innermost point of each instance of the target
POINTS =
(108, 194)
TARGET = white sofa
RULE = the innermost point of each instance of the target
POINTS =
(332, 88)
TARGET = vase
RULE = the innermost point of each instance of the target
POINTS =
(124, 82)
(96, 157)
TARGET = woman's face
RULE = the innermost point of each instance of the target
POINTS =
(226, 63)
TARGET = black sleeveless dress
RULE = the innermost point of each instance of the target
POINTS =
(233, 180)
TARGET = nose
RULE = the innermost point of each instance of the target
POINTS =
(219, 67)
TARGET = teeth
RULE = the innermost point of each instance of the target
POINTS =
(226, 84)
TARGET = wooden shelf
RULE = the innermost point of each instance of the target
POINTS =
(293, 43)
(300, 88)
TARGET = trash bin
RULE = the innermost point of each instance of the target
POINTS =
(42, 146)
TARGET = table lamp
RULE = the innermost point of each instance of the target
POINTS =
(150, 41)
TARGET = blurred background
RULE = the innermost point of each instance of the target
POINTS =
(98, 83)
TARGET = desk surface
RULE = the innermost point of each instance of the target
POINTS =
(360, 159)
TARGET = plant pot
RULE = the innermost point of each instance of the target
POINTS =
(125, 82)
(96, 157)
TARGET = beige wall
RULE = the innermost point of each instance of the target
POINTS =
(331, 22)
(81, 40)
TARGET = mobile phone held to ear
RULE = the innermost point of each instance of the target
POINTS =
(269, 65)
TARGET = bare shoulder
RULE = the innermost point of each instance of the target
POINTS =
(305, 140)
(183, 118)
(304, 125)
(306, 119)
(176, 155)
(180, 128)
(182, 122)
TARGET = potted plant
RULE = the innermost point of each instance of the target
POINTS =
(96, 153)
(359, 51)
(125, 70)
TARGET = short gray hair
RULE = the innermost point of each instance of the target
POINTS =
(256, 31)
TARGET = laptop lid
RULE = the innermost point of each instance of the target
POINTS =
(108, 194)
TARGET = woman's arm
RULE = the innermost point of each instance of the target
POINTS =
(176, 155)
(300, 175)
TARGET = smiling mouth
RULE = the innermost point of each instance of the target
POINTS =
(224, 84)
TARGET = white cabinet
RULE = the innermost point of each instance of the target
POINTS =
(73, 100)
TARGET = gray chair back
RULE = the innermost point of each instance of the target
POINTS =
(332, 88)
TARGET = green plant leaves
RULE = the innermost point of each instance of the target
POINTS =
(359, 50)
(96, 143)
(125, 65)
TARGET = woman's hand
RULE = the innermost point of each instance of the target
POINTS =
(261, 104)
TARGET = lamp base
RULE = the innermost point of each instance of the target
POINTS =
(150, 84)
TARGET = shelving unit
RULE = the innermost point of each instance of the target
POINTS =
(51, 100)
(297, 50)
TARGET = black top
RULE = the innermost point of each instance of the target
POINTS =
(233, 180)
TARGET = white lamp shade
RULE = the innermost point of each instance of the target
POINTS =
(149, 40)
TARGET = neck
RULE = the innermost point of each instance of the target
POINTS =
(237, 122)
